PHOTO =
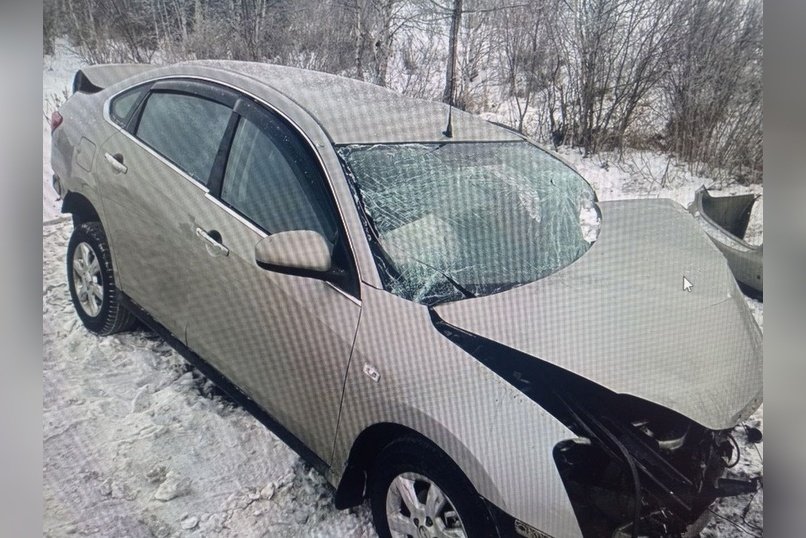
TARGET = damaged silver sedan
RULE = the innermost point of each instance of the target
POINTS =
(446, 322)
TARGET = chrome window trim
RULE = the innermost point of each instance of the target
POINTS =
(107, 116)
(237, 216)
(264, 234)
(355, 300)
(268, 106)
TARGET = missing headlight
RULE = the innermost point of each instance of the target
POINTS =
(636, 468)
(676, 486)
(670, 435)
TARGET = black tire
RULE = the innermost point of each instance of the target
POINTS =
(111, 317)
(415, 455)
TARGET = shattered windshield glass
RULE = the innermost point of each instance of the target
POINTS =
(463, 219)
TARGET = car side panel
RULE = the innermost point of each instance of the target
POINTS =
(285, 340)
(83, 129)
(501, 439)
(74, 145)
(78, 113)
(149, 223)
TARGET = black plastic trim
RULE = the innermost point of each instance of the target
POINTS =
(502, 522)
(227, 386)
(335, 274)
(82, 83)
(124, 122)
(198, 88)
(216, 178)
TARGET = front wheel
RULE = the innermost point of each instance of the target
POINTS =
(92, 282)
(417, 491)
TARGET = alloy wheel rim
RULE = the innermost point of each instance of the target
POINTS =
(87, 279)
(416, 507)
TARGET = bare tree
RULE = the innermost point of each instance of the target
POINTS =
(682, 76)
(525, 57)
(375, 23)
(49, 26)
(713, 89)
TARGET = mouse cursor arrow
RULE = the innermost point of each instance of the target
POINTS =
(687, 285)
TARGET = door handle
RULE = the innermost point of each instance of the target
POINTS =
(213, 245)
(116, 162)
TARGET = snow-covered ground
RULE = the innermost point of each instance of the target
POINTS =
(136, 443)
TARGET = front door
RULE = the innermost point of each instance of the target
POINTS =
(285, 340)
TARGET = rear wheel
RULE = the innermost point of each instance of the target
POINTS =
(92, 282)
(417, 491)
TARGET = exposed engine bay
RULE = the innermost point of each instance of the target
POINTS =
(627, 449)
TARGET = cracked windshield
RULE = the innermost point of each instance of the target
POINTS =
(464, 219)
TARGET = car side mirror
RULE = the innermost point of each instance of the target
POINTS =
(297, 252)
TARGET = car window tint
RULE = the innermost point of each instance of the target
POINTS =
(271, 180)
(122, 105)
(186, 130)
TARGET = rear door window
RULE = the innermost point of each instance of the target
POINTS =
(185, 129)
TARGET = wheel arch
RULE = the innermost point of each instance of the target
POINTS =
(80, 207)
(351, 489)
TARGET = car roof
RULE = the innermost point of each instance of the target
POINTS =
(356, 112)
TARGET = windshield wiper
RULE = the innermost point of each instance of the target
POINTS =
(464, 291)
(374, 236)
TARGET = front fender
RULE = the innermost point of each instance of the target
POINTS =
(500, 439)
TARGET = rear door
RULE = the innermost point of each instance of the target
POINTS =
(285, 340)
(157, 169)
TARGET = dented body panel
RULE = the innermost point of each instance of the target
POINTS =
(501, 439)
(620, 317)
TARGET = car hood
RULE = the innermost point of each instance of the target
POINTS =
(625, 317)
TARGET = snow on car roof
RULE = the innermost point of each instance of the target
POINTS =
(353, 112)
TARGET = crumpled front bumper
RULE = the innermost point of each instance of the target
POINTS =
(725, 219)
